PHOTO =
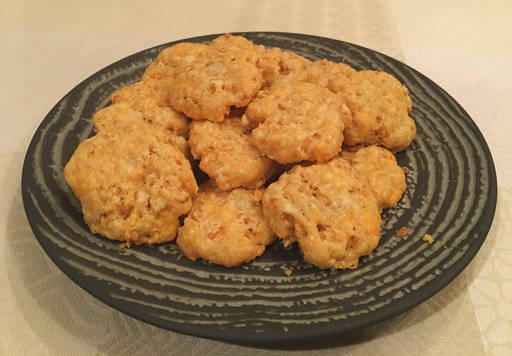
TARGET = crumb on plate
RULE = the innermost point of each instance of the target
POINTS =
(428, 238)
(402, 231)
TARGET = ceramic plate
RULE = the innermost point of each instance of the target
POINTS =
(451, 195)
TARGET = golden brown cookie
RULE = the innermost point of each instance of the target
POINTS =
(151, 98)
(328, 210)
(228, 155)
(298, 121)
(380, 106)
(165, 65)
(206, 81)
(225, 228)
(132, 187)
(275, 65)
(330, 75)
(121, 119)
(385, 177)
(236, 47)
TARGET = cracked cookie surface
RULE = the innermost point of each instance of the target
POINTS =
(228, 154)
(380, 107)
(225, 228)
(328, 210)
(132, 187)
(296, 121)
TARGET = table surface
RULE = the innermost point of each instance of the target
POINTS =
(50, 46)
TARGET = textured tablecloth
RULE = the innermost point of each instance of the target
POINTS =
(50, 46)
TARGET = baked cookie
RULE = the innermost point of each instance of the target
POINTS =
(296, 121)
(228, 155)
(132, 187)
(206, 81)
(330, 75)
(225, 228)
(380, 106)
(328, 210)
(275, 65)
(121, 119)
(236, 47)
(167, 62)
(385, 177)
(151, 98)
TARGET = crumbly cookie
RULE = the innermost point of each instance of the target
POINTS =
(121, 118)
(380, 105)
(298, 121)
(225, 228)
(151, 98)
(328, 210)
(275, 65)
(206, 81)
(166, 64)
(228, 155)
(385, 177)
(132, 187)
(236, 47)
(330, 75)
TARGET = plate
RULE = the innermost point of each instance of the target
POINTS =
(451, 194)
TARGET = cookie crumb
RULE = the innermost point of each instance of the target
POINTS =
(402, 231)
(124, 245)
(288, 272)
(428, 238)
(405, 169)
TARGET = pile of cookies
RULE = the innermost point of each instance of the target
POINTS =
(294, 149)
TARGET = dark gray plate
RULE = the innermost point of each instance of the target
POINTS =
(451, 194)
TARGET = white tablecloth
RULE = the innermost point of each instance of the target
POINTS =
(50, 46)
